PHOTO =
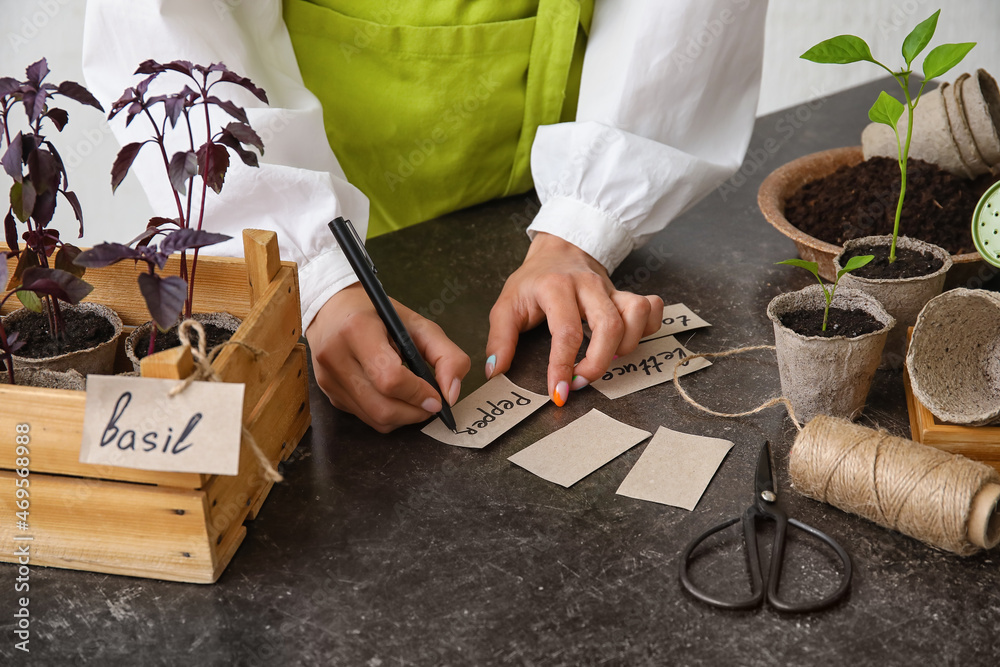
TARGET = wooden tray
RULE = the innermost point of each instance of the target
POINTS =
(173, 526)
(980, 443)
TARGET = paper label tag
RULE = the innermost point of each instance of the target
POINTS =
(487, 413)
(134, 423)
(649, 364)
(677, 318)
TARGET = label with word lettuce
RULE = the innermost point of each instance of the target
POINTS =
(651, 363)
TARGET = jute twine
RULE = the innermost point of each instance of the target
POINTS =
(917, 490)
(203, 371)
(920, 491)
(777, 400)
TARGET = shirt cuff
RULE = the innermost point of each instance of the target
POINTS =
(324, 276)
(594, 231)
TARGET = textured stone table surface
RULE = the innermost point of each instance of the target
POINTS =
(384, 550)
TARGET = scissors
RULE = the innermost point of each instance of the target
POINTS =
(765, 506)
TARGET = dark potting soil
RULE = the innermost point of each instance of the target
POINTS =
(164, 341)
(83, 330)
(849, 323)
(908, 264)
(861, 201)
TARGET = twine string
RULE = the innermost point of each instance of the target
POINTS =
(915, 489)
(204, 371)
(777, 400)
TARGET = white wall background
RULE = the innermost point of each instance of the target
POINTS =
(52, 28)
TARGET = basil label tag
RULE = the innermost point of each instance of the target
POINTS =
(134, 423)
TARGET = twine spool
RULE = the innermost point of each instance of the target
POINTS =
(941, 499)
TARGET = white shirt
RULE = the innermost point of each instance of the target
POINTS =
(666, 111)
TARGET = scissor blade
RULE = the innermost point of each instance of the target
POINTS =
(765, 478)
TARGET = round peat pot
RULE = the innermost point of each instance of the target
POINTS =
(96, 360)
(224, 321)
(903, 298)
(953, 359)
(26, 376)
(827, 376)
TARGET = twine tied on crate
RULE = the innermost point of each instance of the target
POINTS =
(777, 400)
(203, 371)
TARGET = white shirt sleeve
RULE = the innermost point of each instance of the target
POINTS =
(667, 106)
(299, 176)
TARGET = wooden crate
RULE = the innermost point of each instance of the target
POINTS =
(980, 443)
(173, 526)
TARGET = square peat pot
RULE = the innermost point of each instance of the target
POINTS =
(163, 525)
(979, 443)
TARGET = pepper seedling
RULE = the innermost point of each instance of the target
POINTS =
(853, 264)
(888, 110)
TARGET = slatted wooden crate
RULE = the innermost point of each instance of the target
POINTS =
(980, 443)
(173, 526)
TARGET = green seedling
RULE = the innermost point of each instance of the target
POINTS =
(888, 110)
(853, 264)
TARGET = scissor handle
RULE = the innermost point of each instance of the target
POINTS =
(757, 593)
(756, 583)
(777, 561)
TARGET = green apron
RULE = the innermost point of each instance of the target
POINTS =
(433, 106)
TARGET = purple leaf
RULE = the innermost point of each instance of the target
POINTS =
(249, 157)
(45, 207)
(74, 202)
(12, 158)
(244, 82)
(14, 343)
(34, 103)
(183, 165)
(8, 85)
(10, 232)
(27, 260)
(78, 93)
(22, 200)
(3, 270)
(41, 241)
(236, 112)
(37, 71)
(213, 161)
(43, 171)
(123, 163)
(182, 66)
(106, 254)
(134, 110)
(65, 260)
(164, 297)
(55, 283)
(246, 135)
(126, 99)
(189, 239)
(149, 67)
(174, 105)
(59, 118)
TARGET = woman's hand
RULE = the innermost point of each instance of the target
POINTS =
(358, 368)
(561, 283)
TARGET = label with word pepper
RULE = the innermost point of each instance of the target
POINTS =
(487, 413)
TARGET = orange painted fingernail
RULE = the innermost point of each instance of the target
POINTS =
(561, 393)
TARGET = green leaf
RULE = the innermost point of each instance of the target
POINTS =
(943, 58)
(30, 300)
(811, 267)
(839, 51)
(919, 37)
(854, 263)
(886, 110)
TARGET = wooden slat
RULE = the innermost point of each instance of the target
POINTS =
(220, 285)
(111, 527)
(283, 414)
(55, 417)
(174, 364)
(274, 326)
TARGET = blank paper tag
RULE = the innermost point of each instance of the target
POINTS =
(574, 451)
(486, 414)
(677, 318)
(675, 468)
(651, 363)
(134, 423)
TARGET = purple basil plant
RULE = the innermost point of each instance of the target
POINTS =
(206, 158)
(45, 268)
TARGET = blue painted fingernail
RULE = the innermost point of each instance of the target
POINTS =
(579, 382)
(491, 363)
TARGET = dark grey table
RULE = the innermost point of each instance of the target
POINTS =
(397, 550)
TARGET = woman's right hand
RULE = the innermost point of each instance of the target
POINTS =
(358, 368)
